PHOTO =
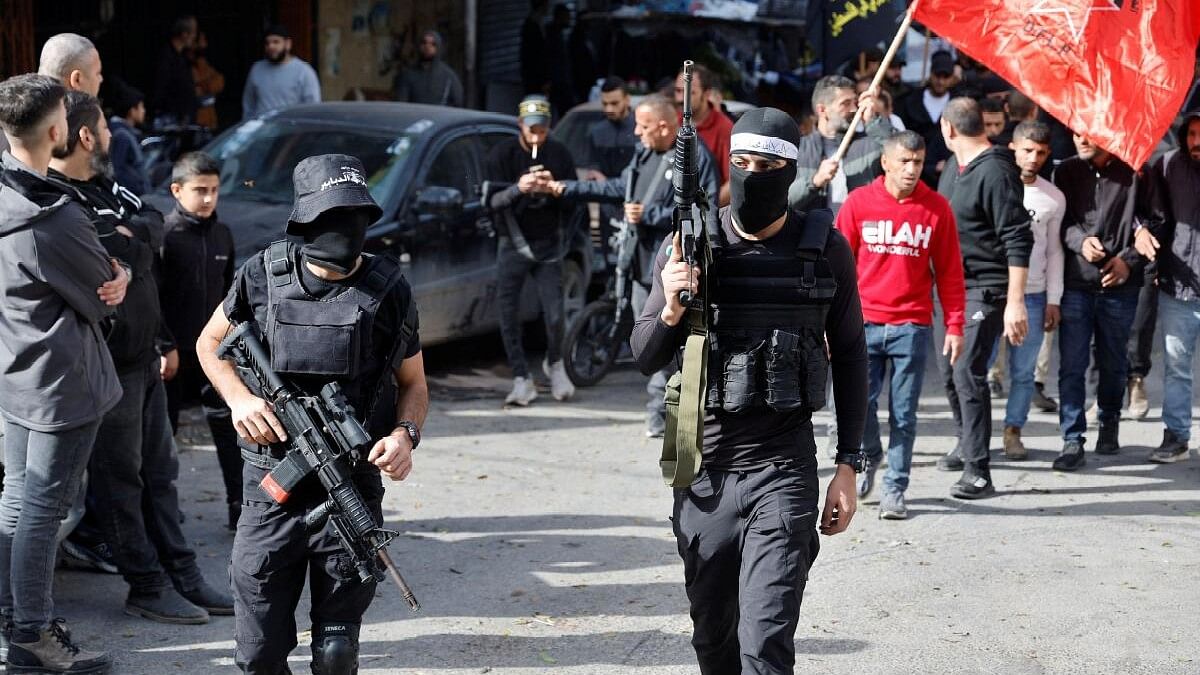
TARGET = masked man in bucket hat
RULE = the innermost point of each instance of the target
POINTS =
(298, 296)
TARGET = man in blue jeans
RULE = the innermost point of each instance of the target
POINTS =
(1102, 277)
(1043, 286)
(903, 237)
(57, 380)
(1177, 177)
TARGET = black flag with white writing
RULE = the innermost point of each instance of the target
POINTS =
(839, 29)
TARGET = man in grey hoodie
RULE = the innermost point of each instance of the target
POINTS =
(57, 285)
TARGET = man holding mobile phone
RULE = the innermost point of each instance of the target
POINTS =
(531, 224)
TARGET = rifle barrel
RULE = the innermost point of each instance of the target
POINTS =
(405, 590)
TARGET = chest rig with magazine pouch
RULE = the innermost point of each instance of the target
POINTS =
(763, 329)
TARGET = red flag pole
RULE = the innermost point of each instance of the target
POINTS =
(887, 61)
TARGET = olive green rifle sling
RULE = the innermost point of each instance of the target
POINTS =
(686, 396)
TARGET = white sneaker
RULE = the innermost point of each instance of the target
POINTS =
(560, 385)
(523, 392)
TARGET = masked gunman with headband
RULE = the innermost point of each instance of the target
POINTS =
(780, 311)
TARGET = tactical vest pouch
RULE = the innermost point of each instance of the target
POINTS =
(815, 370)
(740, 382)
(316, 338)
(783, 371)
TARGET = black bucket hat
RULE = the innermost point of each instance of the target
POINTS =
(329, 182)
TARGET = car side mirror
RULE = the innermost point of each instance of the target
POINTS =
(442, 202)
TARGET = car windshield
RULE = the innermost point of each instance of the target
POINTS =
(258, 156)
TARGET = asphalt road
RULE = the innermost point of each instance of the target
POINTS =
(538, 543)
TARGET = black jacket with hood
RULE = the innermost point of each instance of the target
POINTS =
(994, 231)
(55, 370)
(1176, 177)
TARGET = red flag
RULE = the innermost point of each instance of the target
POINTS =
(1113, 70)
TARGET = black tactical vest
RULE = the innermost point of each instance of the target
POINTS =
(314, 342)
(767, 332)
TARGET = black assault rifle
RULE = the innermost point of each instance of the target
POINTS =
(688, 193)
(324, 436)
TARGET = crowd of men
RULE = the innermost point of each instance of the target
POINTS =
(1022, 248)
(112, 312)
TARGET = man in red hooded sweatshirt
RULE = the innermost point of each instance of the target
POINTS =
(904, 240)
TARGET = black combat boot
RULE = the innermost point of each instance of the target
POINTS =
(1108, 443)
(1172, 449)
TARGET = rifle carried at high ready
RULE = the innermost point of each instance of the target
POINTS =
(324, 437)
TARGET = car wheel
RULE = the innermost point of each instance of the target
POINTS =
(574, 291)
(592, 343)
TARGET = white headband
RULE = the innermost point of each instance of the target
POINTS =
(755, 143)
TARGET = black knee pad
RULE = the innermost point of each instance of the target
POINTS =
(335, 649)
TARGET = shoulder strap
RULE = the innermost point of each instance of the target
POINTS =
(814, 233)
(383, 272)
(277, 260)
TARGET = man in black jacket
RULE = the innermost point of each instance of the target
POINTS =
(996, 239)
(1178, 177)
(532, 226)
(134, 463)
(198, 257)
(1102, 277)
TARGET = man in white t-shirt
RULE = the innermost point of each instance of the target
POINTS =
(1044, 286)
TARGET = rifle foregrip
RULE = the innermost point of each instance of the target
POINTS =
(352, 506)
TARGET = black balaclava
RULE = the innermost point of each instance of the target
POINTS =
(335, 239)
(760, 198)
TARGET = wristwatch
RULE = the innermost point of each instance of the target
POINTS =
(855, 460)
(413, 432)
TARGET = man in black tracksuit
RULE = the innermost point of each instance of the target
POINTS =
(134, 466)
(198, 258)
(782, 284)
(996, 239)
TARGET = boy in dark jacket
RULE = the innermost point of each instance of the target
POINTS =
(197, 273)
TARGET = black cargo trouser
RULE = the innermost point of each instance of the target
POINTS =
(273, 554)
(747, 539)
(966, 385)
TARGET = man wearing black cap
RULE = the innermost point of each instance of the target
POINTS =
(781, 287)
(532, 226)
(922, 109)
(280, 80)
(328, 313)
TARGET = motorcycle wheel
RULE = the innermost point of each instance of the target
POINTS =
(589, 347)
